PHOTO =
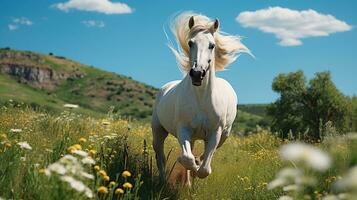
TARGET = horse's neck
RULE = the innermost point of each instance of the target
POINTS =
(206, 90)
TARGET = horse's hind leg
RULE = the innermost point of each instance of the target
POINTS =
(159, 136)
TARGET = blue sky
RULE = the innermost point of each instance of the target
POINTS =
(130, 40)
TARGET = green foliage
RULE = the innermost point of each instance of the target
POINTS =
(307, 108)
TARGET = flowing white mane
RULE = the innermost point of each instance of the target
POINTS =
(228, 47)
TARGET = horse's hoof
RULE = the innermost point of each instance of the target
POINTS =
(188, 163)
(203, 172)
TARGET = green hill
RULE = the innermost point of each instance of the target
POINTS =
(49, 81)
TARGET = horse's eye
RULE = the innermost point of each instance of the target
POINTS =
(190, 43)
(211, 46)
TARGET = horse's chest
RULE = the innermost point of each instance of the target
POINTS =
(200, 125)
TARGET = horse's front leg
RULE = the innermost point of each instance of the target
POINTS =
(211, 145)
(187, 159)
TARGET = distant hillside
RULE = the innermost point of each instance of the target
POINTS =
(50, 81)
(256, 109)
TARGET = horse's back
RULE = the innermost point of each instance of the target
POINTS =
(165, 89)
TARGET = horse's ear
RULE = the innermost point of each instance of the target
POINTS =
(191, 22)
(215, 25)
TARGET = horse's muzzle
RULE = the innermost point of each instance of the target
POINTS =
(197, 76)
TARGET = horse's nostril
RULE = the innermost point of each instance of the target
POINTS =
(203, 73)
(209, 61)
(191, 72)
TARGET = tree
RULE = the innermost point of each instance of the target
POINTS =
(307, 108)
(352, 119)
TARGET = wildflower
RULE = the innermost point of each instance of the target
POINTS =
(309, 155)
(74, 147)
(68, 105)
(284, 177)
(127, 185)
(16, 130)
(88, 161)
(80, 153)
(126, 174)
(82, 140)
(41, 171)
(77, 185)
(102, 173)
(112, 183)
(69, 158)
(102, 190)
(119, 191)
(92, 152)
(97, 168)
(77, 147)
(86, 175)
(8, 145)
(290, 188)
(106, 178)
(56, 167)
(349, 181)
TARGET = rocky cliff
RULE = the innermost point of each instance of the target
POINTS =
(34, 70)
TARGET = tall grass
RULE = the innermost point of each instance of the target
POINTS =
(242, 167)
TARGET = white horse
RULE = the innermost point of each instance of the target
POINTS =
(201, 106)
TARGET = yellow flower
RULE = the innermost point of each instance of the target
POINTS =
(126, 174)
(127, 185)
(8, 145)
(119, 191)
(70, 149)
(77, 147)
(97, 168)
(102, 189)
(74, 147)
(112, 183)
(102, 173)
(92, 152)
(82, 140)
(106, 178)
(41, 171)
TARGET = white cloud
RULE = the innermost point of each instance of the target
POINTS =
(17, 22)
(102, 6)
(94, 23)
(12, 27)
(23, 21)
(290, 26)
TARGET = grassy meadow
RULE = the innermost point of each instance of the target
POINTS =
(72, 156)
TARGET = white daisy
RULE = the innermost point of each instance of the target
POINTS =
(88, 161)
(24, 145)
(57, 168)
(306, 154)
(80, 152)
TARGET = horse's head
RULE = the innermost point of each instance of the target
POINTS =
(201, 49)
